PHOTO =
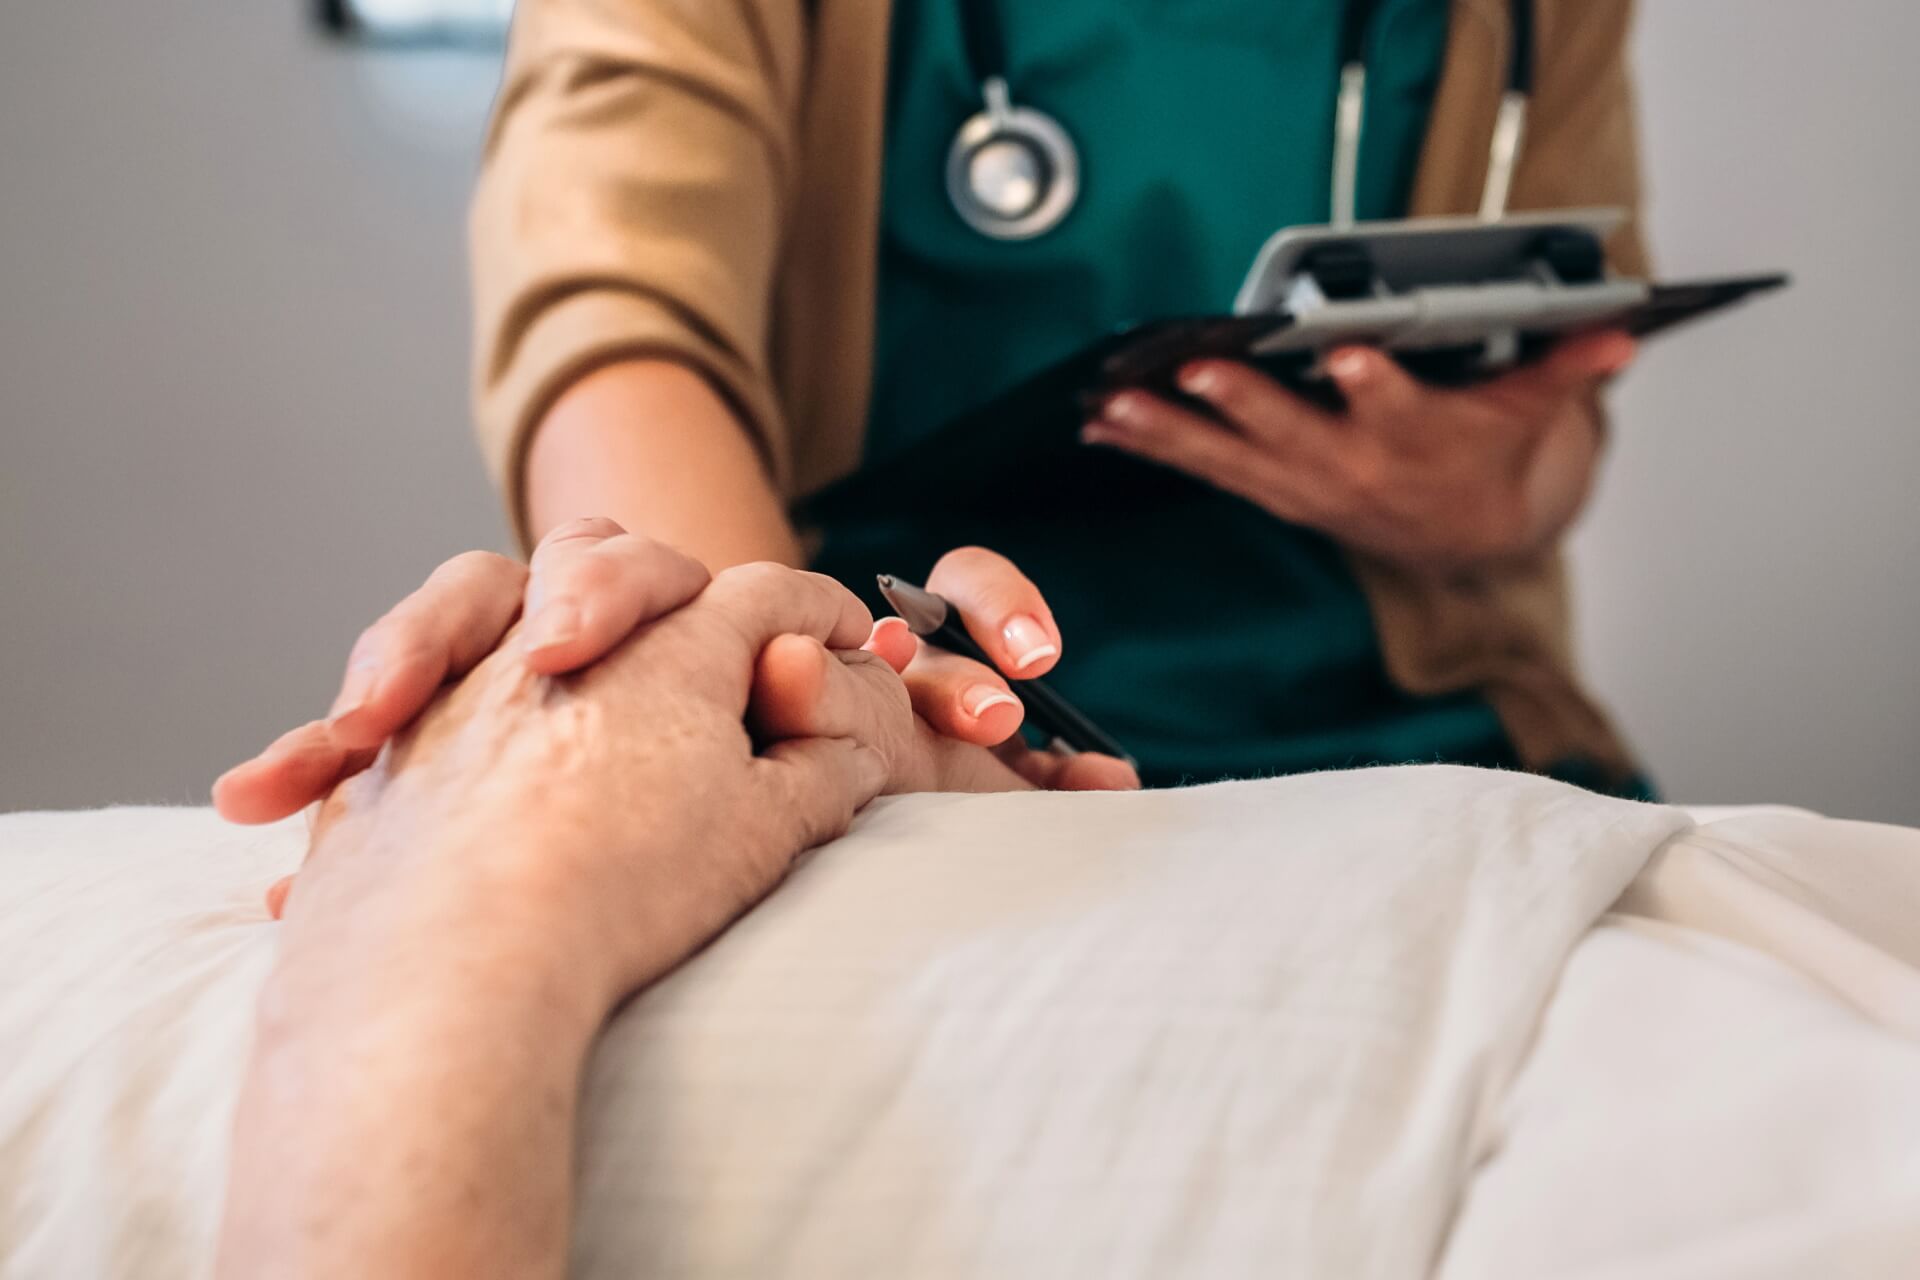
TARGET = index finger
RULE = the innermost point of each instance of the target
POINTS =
(591, 584)
(1004, 612)
(446, 626)
(766, 600)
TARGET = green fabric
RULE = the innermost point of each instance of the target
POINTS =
(1210, 638)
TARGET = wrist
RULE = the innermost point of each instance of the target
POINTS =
(394, 1062)
(375, 924)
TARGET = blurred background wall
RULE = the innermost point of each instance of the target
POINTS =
(233, 416)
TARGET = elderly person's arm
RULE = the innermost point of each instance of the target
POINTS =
(528, 855)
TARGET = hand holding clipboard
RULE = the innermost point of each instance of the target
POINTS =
(1455, 301)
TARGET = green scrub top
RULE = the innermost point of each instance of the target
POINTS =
(1210, 638)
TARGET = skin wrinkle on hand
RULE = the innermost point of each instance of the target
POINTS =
(526, 855)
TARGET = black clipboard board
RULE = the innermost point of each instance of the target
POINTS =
(1023, 445)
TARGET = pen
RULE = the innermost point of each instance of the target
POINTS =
(938, 622)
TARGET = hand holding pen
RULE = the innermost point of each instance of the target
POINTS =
(983, 618)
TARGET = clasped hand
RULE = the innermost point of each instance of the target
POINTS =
(736, 721)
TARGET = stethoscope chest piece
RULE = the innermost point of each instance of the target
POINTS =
(1012, 172)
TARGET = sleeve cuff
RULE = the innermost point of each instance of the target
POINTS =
(586, 331)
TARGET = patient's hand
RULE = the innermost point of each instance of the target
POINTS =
(631, 794)
(590, 584)
(527, 854)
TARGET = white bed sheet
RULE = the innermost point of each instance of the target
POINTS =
(1273, 1028)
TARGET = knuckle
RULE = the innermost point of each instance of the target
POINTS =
(412, 631)
(746, 588)
(412, 647)
(832, 589)
(757, 578)
(583, 527)
(477, 567)
(480, 562)
(400, 629)
(586, 576)
(660, 559)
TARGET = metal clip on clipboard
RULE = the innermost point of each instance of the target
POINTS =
(1458, 287)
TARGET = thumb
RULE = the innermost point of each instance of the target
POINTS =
(812, 787)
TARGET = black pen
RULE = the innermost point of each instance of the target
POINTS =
(937, 621)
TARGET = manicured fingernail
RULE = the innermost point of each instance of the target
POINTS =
(362, 675)
(1126, 410)
(1099, 433)
(1349, 366)
(555, 625)
(1027, 641)
(982, 698)
(1199, 382)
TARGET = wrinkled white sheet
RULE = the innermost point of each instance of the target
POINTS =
(1255, 1029)
(1727, 1081)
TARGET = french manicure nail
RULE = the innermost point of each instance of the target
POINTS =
(1027, 640)
(982, 698)
(553, 626)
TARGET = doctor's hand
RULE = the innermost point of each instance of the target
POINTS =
(962, 702)
(1430, 478)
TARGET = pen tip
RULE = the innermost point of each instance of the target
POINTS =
(923, 611)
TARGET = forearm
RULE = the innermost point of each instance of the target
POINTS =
(409, 1105)
(650, 444)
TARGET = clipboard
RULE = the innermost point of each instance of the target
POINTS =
(1455, 301)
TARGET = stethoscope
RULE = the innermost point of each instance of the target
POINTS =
(1013, 172)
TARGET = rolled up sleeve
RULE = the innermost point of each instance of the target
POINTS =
(630, 204)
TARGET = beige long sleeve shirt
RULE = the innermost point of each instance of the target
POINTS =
(700, 180)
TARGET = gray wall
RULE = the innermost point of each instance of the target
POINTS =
(232, 416)
(1750, 573)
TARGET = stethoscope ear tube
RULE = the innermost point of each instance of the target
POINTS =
(1509, 130)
